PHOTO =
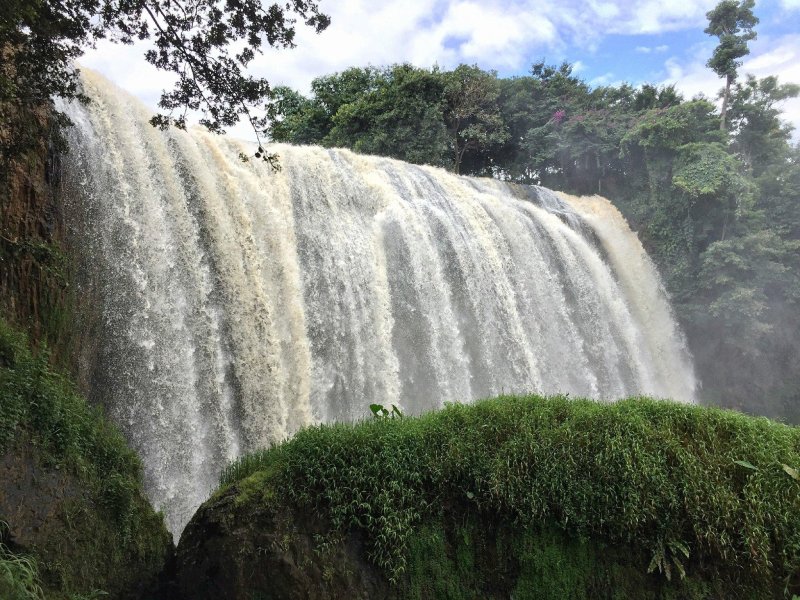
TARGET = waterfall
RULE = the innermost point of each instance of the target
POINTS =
(234, 304)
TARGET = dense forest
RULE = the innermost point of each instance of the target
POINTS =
(714, 198)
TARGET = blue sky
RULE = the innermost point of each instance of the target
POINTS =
(608, 41)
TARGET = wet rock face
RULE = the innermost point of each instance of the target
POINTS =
(34, 500)
(241, 551)
(31, 220)
(49, 514)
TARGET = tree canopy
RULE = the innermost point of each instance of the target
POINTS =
(207, 44)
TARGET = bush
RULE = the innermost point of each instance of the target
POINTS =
(701, 491)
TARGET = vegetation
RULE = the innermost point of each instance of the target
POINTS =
(19, 575)
(732, 22)
(206, 45)
(702, 499)
(718, 209)
(102, 529)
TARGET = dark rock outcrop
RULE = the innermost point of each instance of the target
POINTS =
(50, 515)
(232, 549)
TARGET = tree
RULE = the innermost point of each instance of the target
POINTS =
(471, 112)
(295, 119)
(401, 118)
(207, 44)
(759, 136)
(732, 21)
(749, 318)
(533, 108)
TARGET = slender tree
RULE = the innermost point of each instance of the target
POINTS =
(731, 21)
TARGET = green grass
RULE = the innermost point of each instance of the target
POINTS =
(657, 479)
(19, 576)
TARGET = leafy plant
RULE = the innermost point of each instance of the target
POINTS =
(380, 412)
(666, 555)
(19, 576)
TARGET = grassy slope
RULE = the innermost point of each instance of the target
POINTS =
(107, 536)
(552, 497)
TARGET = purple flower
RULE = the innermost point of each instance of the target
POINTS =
(559, 115)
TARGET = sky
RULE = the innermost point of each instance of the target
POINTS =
(607, 41)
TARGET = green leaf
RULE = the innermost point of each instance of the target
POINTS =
(679, 547)
(746, 465)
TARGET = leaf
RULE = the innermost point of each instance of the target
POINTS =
(470, 495)
(376, 409)
(791, 472)
(679, 547)
(680, 567)
(746, 465)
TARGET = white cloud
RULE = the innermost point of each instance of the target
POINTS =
(656, 16)
(604, 79)
(502, 34)
(507, 35)
(790, 4)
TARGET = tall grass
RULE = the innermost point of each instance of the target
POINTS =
(19, 574)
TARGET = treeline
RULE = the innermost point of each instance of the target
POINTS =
(716, 201)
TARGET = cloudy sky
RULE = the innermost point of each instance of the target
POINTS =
(608, 41)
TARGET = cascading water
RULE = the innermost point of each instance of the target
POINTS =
(237, 304)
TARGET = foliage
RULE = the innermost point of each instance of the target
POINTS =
(112, 529)
(658, 477)
(396, 112)
(400, 117)
(732, 21)
(207, 46)
(19, 574)
(471, 112)
(379, 411)
(761, 137)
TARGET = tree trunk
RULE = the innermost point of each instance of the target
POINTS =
(725, 97)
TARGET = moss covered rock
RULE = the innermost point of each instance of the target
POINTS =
(513, 497)
(72, 505)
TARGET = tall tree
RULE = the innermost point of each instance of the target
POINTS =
(731, 21)
(401, 118)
